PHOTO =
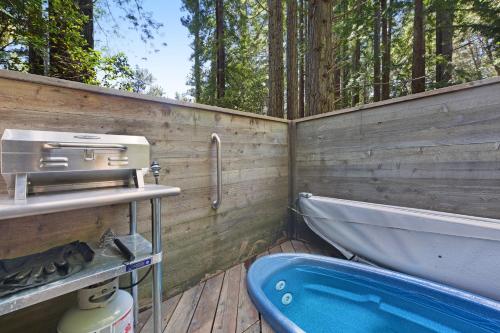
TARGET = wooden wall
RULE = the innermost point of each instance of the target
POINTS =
(438, 150)
(198, 241)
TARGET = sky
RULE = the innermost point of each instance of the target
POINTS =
(171, 65)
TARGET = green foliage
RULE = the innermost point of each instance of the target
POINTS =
(246, 51)
(52, 30)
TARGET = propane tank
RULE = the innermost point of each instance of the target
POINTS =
(101, 308)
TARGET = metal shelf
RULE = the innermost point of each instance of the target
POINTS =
(108, 263)
(64, 201)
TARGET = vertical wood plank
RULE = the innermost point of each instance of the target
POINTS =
(204, 315)
(181, 318)
(275, 249)
(247, 313)
(299, 247)
(227, 309)
(167, 309)
(287, 247)
(255, 328)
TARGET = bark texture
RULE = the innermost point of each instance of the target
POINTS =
(386, 47)
(418, 64)
(445, 12)
(275, 40)
(376, 51)
(221, 50)
(292, 101)
(320, 57)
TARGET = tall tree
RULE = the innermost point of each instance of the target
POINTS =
(302, 49)
(356, 56)
(320, 56)
(445, 12)
(193, 22)
(87, 9)
(376, 51)
(37, 45)
(275, 40)
(386, 46)
(291, 60)
(418, 63)
(221, 50)
(70, 57)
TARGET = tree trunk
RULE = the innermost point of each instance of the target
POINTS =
(320, 59)
(197, 51)
(275, 58)
(356, 58)
(87, 9)
(291, 60)
(445, 12)
(418, 64)
(307, 57)
(386, 47)
(221, 50)
(355, 69)
(301, 59)
(35, 52)
(376, 51)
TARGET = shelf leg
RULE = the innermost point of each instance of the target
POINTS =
(157, 274)
(134, 274)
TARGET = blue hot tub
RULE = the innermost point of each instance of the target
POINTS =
(308, 293)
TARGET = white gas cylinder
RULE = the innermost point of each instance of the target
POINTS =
(102, 308)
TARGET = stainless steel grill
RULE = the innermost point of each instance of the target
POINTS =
(42, 161)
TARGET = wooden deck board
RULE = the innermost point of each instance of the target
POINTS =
(227, 309)
(247, 313)
(287, 247)
(185, 310)
(220, 304)
(167, 310)
(300, 247)
(205, 311)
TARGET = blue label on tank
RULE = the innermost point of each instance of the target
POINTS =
(138, 264)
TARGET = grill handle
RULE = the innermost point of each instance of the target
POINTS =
(216, 202)
(74, 145)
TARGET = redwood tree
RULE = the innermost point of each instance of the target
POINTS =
(386, 47)
(376, 51)
(445, 12)
(291, 60)
(275, 39)
(418, 63)
(320, 57)
(221, 51)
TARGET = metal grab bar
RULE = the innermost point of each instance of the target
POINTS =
(216, 202)
(73, 145)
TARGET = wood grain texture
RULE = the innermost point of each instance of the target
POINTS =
(181, 318)
(167, 310)
(247, 313)
(227, 309)
(440, 153)
(287, 247)
(198, 241)
(204, 315)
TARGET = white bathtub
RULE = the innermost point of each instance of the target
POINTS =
(461, 251)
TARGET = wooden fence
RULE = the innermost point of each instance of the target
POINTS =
(437, 150)
(198, 241)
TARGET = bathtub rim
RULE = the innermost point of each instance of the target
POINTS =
(266, 266)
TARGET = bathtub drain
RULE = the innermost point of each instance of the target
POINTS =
(286, 299)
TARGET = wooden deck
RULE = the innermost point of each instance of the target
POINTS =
(220, 304)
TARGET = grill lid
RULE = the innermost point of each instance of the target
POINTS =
(41, 161)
